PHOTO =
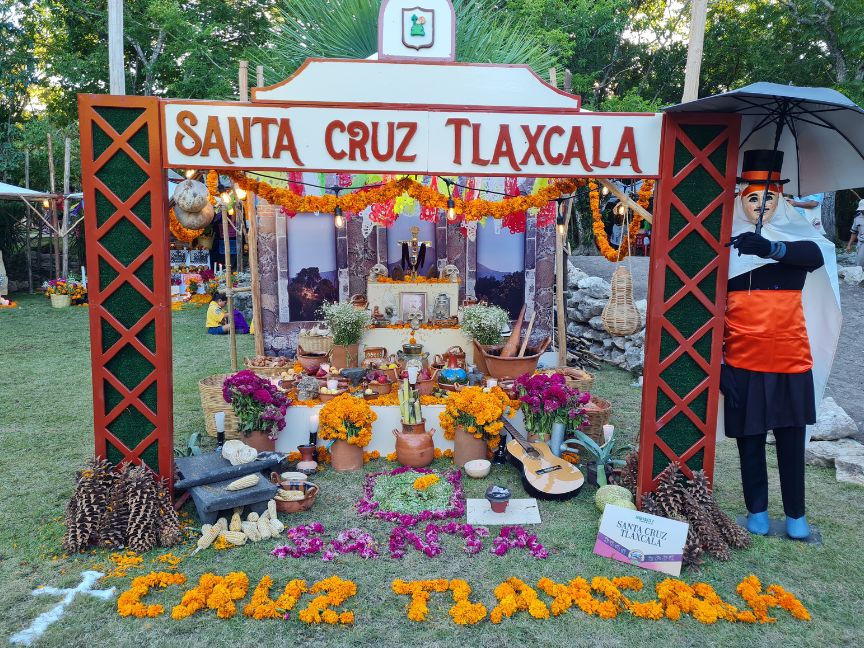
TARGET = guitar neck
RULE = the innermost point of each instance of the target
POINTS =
(518, 437)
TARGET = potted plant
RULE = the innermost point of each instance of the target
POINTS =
(63, 292)
(414, 446)
(484, 324)
(550, 406)
(603, 463)
(260, 408)
(346, 324)
(347, 422)
(472, 420)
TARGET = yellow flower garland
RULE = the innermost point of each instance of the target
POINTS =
(479, 411)
(645, 193)
(336, 592)
(129, 602)
(263, 607)
(427, 481)
(357, 201)
(463, 611)
(215, 592)
(347, 418)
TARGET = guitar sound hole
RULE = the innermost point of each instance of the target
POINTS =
(543, 471)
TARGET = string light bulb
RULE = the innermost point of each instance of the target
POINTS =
(239, 192)
(191, 173)
(46, 203)
(339, 220)
(231, 212)
(225, 196)
(562, 230)
(451, 210)
(605, 190)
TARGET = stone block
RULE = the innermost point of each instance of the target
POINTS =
(832, 422)
(595, 287)
(853, 275)
(574, 275)
(824, 453)
(596, 323)
(850, 470)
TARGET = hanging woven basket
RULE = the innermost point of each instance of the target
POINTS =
(620, 316)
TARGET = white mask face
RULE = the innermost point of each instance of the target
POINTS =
(753, 202)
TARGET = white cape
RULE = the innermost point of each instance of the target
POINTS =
(820, 297)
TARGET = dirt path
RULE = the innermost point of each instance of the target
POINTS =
(846, 383)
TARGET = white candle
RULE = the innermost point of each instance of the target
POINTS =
(219, 419)
(608, 431)
(332, 383)
(491, 382)
(413, 372)
(313, 424)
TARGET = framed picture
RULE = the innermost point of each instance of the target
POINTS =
(410, 302)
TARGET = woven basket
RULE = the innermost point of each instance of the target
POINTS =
(620, 316)
(315, 343)
(575, 378)
(212, 401)
(599, 412)
(271, 372)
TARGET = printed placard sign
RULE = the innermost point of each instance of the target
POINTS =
(647, 541)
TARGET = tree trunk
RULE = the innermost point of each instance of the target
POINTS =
(829, 219)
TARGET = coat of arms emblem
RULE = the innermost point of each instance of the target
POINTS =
(418, 28)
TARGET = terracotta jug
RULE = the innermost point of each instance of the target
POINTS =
(467, 448)
(414, 448)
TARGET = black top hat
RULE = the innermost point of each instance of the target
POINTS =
(762, 166)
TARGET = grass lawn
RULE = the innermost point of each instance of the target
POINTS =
(46, 435)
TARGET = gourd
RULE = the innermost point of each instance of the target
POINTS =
(611, 494)
(247, 481)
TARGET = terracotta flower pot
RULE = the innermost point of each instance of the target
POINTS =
(345, 356)
(345, 457)
(414, 445)
(260, 441)
(60, 301)
(467, 448)
(307, 452)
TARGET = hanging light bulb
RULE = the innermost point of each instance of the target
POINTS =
(451, 210)
(239, 192)
(191, 173)
(605, 190)
(225, 196)
(338, 220)
(560, 221)
(46, 203)
(231, 212)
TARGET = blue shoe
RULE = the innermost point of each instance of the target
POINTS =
(758, 523)
(797, 528)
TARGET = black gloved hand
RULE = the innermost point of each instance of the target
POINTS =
(728, 387)
(751, 243)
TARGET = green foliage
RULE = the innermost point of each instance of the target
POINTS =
(397, 493)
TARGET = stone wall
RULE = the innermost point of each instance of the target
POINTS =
(586, 297)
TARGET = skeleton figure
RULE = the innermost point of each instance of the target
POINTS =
(451, 272)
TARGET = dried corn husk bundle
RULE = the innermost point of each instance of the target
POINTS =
(620, 316)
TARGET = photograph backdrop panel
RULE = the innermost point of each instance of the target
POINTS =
(312, 270)
(500, 268)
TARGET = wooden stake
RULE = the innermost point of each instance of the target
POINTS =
(699, 10)
(67, 160)
(26, 168)
(568, 81)
(256, 278)
(239, 217)
(553, 77)
(259, 76)
(229, 289)
(527, 334)
(55, 240)
(28, 225)
(244, 81)
(116, 66)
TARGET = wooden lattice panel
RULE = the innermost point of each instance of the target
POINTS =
(125, 211)
(687, 294)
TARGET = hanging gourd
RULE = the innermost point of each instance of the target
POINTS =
(192, 205)
(620, 316)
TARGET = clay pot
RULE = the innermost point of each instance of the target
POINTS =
(345, 457)
(260, 441)
(479, 358)
(508, 368)
(311, 361)
(379, 388)
(498, 498)
(467, 448)
(426, 387)
(307, 452)
(414, 446)
(345, 356)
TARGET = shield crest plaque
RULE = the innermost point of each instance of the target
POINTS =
(418, 28)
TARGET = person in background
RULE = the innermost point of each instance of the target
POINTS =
(217, 318)
(810, 207)
(857, 234)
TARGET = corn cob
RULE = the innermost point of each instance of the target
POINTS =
(251, 531)
(221, 524)
(234, 537)
(247, 481)
(276, 527)
(208, 535)
(264, 528)
(252, 517)
(271, 509)
(235, 523)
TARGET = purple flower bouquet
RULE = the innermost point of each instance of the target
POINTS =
(258, 404)
(546, 399)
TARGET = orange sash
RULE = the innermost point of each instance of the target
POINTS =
(766, 331)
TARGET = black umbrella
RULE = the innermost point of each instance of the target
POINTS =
(826, 127)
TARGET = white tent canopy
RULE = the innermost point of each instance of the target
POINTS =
(11, 192)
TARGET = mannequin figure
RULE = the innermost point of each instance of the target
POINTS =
(782, 325)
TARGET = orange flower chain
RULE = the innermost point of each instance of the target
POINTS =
(601, 597)
(599, 229)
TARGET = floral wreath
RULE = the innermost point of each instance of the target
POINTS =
(645, 192)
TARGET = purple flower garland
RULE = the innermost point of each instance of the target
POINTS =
(520, 540)
(304, 544)
(368, 506)
(429, 543)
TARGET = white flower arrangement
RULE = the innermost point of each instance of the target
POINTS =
(345, 322)
(484, 323)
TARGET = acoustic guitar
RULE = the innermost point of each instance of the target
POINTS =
(544, 475)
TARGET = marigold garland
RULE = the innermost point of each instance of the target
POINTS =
(644, 197)
(129, 602)
(463, 611)
(347, 418)
(336, 592)
(514, 595)
(422, 483)
(429, 197)
(479, 411)
(215, 592)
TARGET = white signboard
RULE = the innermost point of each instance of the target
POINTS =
(647, 541)
(437, 142)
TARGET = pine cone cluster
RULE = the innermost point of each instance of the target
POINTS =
(126, 507)
(711, 531)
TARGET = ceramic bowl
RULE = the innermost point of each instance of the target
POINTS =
(478, 468)
(293, 476)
